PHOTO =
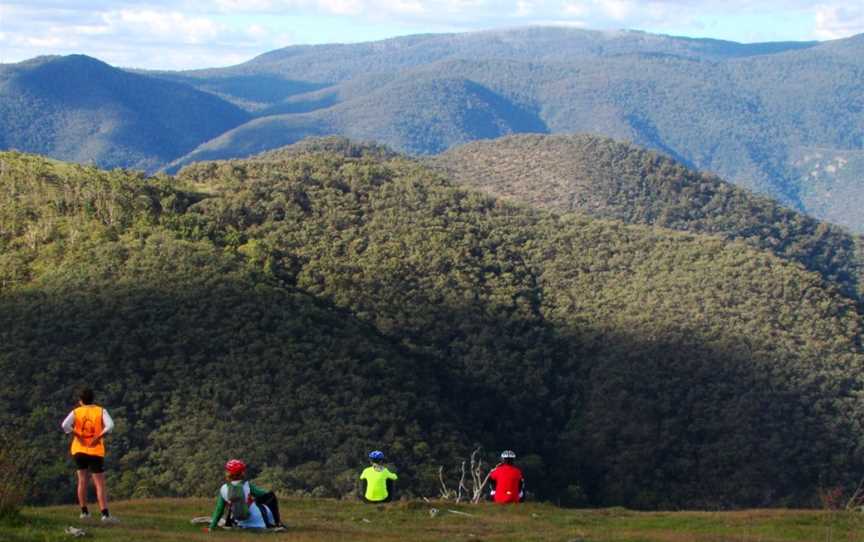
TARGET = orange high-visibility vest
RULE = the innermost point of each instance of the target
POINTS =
(88, 423)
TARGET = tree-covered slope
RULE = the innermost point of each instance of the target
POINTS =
(417, 114)
(782, 119)
(79, 109)
(300, 308)
(602, 178)
(198, 353)
(330, 63)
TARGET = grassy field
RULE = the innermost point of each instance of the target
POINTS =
(163, 520)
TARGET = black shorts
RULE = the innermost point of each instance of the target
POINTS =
(93, 463)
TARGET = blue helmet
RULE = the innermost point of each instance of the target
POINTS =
(376, 455)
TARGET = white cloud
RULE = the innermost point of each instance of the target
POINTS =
(343, 7)
(132, 35)
(619, 10)
(524, 8)
(256, 31)
(179, 33)
(162, 26)
(833, 22)
(45, 42)
(577, 9)
(413, 7)
(244, 5)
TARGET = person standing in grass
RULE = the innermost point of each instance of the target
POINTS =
(89, 423)
(508, 484)
(376, 481)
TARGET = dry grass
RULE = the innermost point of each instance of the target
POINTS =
(309, 520)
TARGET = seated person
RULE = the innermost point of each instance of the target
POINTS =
(249, 507)
(376, 481)
(506, 480)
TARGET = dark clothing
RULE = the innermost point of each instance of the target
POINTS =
(93, 463)
(269, 500)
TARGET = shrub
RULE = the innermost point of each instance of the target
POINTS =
(15, 463)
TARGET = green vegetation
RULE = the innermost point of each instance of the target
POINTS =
(299, 310)
(602, 178)
(745, 112)
(782, 119)
(423, 114)
(16, 459)
(311, 520)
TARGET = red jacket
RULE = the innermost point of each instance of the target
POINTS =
(507, 483)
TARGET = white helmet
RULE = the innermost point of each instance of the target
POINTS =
(508, 454)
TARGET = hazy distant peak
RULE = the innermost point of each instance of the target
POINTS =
(536, 43)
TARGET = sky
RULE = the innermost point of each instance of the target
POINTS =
(186, 34)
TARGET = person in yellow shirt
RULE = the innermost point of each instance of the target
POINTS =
(89, 423)
(376, 481)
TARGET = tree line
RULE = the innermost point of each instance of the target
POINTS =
(299, 310)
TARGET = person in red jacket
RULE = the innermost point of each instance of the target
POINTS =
(506, 480)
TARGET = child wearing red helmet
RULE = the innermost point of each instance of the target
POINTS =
(249, 506)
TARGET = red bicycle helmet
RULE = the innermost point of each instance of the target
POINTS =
(235, 466)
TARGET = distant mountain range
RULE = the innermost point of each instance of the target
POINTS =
(80, 109)
(784, 119)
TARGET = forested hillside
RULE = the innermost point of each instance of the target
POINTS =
(301, 308)
(602, 178)
(80, 109)
(783, 119)
(418, 114)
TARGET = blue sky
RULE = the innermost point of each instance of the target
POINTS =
(159, 34)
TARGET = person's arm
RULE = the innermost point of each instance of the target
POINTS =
(68, 423)
(492, 483)
(107, 423)
(257, 491)
(218, 511)
(68, 426)
(362, 484)
(107, 426)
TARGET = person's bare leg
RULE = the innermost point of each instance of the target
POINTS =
(101, 492)
(82, 487)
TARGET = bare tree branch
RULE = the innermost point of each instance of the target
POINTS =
(445, 491)
(474, 470)
(461, 485)
(857, 498)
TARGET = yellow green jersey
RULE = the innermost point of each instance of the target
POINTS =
(376, 482)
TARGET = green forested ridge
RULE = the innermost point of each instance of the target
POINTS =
(602, 178)
(299, 309)
(783, 119)
(418, 114)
